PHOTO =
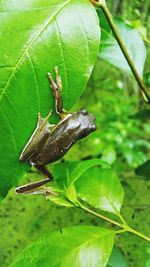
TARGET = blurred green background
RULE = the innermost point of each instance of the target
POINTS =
(121, 140)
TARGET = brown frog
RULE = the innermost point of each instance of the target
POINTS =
(48, 142)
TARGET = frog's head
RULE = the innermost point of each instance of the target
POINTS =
(87, 123)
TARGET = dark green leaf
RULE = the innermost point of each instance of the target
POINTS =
(147, 79)
(101, 188)
(61, 172)
(141, 115)
(75, 247)
(144, 170)
(67, 173)
(117, 259)
(35, 36)
(110, 50)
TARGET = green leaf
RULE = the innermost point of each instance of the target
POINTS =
(61, 172)
(117, 259)
(109, 154)
(83, 166)
(147, 79)
(147, 264)
(71, 193)
(35, 36)
(67, 173)
(60, 201)
(75, 247)
(141, 115)
(110, 50)
(101, 189)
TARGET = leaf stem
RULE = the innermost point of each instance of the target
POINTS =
(99, 215)
(100, 4)
(133, 231)
(124, 226)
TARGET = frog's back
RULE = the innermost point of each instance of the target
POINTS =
(75, 127)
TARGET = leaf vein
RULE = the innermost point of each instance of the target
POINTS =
(32, 42)
(35, 78)
(63, 56)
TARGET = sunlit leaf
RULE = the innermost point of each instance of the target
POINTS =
(60, 201)
(101, 188)
(80, 246)
(35, 36)
(85, 165)
(109, 154)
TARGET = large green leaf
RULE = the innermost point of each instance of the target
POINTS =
(36, 35)
(101, 188)
(110, 50)
(92, 181)
(66, 175)
(85, 246)
(85, 165)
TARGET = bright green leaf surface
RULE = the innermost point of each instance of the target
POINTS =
(68, 172)
(71, 193)
(60, 201)
(80, 246)
(110, 50)
(101, 188)
(36, 35)
(109, 154)
(83, 166)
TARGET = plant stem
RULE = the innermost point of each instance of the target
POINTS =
(133, 231)
(123, 48)
(99, 215)
(124, 226)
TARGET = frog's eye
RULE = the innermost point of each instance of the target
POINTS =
(83, 111)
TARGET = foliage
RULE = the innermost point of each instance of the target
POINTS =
(91, 185)
(110, 50)
(82, 246)
(48, 31)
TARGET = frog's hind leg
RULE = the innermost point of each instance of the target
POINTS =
(35, 188)
(57, 90)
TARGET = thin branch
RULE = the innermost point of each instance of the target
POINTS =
(101, 4)
(124, 227)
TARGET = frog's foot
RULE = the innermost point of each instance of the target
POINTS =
(46, 191)
(57, 90)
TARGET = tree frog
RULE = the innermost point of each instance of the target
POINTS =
(49, 142)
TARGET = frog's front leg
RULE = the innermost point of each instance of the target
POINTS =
(57, 90)
(35, 187)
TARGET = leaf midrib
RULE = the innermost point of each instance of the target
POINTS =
(32, 42)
